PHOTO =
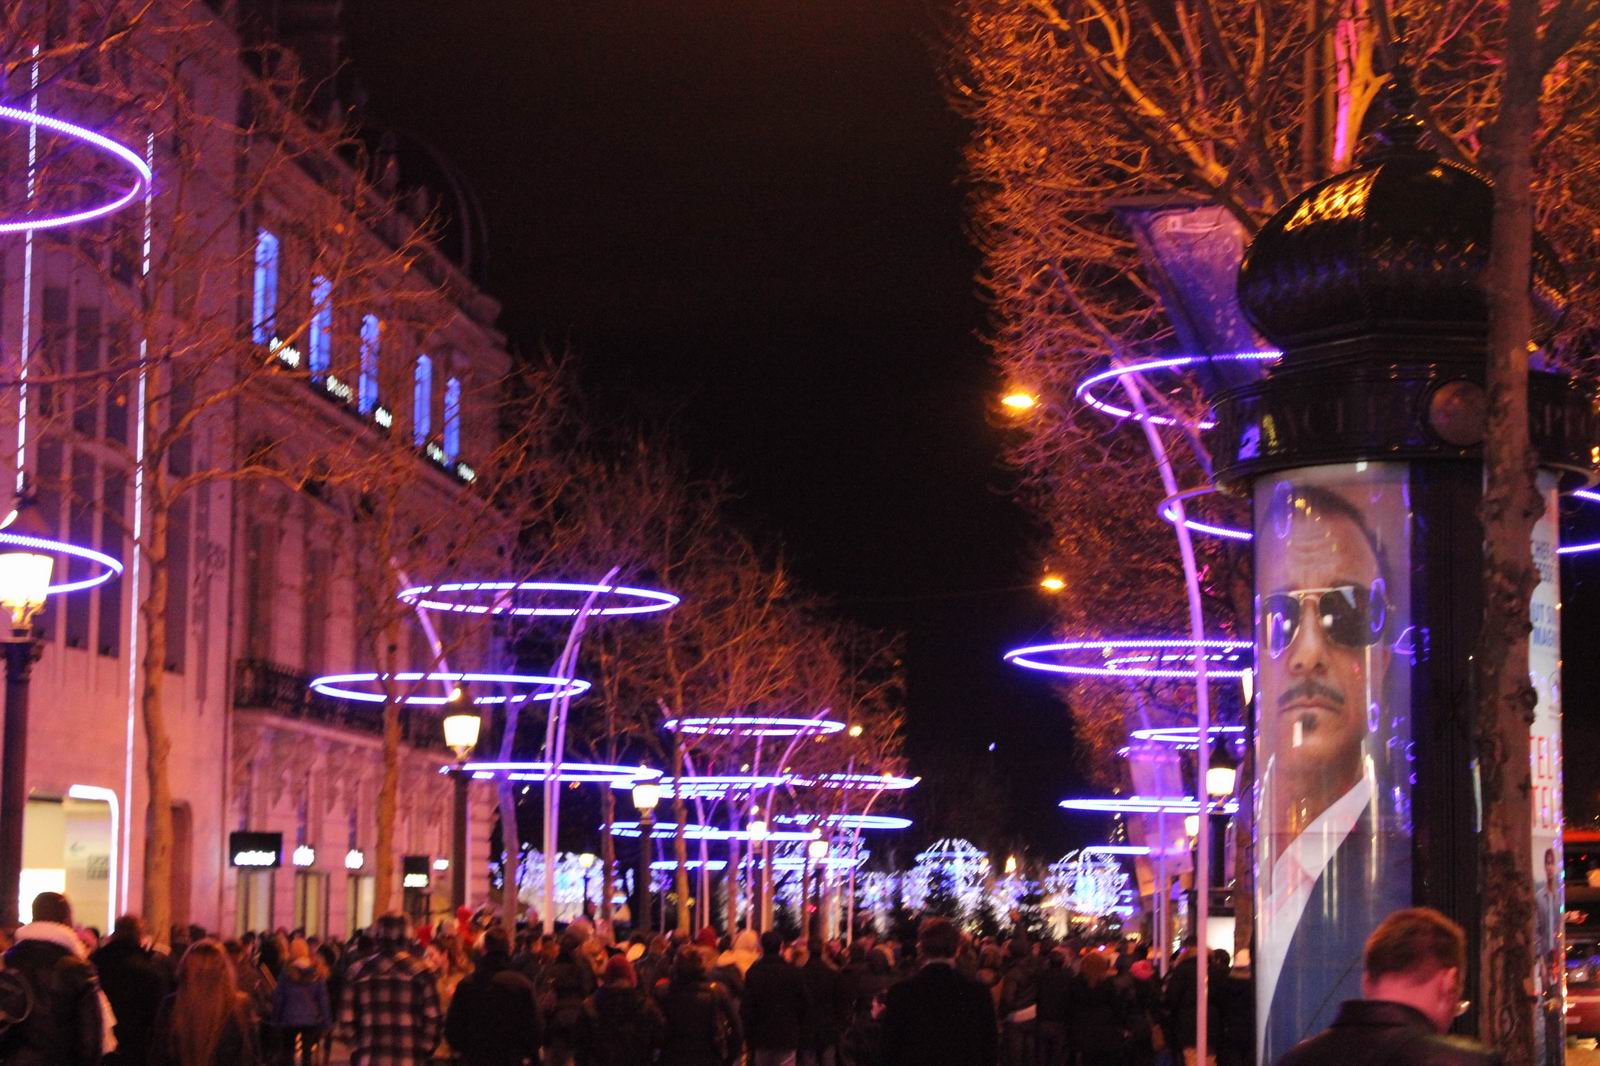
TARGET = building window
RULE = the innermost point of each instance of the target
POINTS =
(178, 586)
(261, 588)
(264, 313)
(315, 602)
(320, 340)
(422, 402)
(452, 419)
(367, 386)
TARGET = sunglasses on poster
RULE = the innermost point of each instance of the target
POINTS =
(1353, 616)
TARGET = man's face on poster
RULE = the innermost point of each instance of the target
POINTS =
(1321, 658)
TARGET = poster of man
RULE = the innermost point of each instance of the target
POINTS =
(1544, 753)
(1332, 548)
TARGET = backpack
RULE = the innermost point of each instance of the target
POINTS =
(16, 1005)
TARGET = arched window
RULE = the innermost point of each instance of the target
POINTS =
(452, 419)
(422, 402)
(321, 333)
(367, 384)
(264, 305)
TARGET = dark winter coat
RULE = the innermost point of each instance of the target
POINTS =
(301, 999)
(621, 1027)
(1100, 1017)
(236, 1048)
(939, 1017)
(135, 982)
(702, 1025)
(774, 1006)
(830, 1003)
(493, 1018)
(65, 1025)
(1371, 1032)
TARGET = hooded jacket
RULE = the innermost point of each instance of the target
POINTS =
(67, 1025)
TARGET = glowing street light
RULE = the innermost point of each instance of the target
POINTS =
(586, 863)
(461, 729)
(1019, 401)
(646, 794)
(856, 730)
(1052, 583)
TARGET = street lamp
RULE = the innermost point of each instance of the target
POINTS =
(817, 853)
(461, 728)
(24, 583)
(646, 794)
(1019, 400)
(586, 863)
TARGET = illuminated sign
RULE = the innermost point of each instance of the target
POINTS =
(383, 416)
(304, 855)
(441, 864)
(287, 354)
(355, 859)
(257, 850)
(414, 871)
(338, 388)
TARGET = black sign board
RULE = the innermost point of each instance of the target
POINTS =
(262, 851)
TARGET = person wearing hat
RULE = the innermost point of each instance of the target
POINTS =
(621, 1025)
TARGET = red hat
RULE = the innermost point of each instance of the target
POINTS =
(707, 937)
(618, 971)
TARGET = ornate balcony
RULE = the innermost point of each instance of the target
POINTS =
(259, 685)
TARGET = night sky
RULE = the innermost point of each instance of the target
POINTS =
(747, 220)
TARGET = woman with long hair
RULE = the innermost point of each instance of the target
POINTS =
(204, 1023)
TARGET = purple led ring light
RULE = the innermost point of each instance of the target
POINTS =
(1115, 657)
(629, 600)
(863, 822)
(1169, 511)
(862, 782)
(714, 786)
(581, 772)
(552, 687)
(714, 865)
(111, 567)
(126, 155)
(1147, 805)
(1178, 362)
(745, 725)
(1181, 735)
(1587, 496)
(698, 831)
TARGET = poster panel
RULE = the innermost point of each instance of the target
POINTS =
(1544, 743)
(1333, 731)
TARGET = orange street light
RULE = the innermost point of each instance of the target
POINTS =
(1052, 583)
(1018, 401)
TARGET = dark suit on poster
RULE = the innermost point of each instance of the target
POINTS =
(1322, 967)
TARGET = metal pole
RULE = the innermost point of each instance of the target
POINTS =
(647, 824)
(21, 651)
(458, 845)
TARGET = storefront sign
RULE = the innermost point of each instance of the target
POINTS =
(257, 850)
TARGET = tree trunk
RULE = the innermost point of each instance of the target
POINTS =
(680, 843)
(1511, 507)
(389, 790)
(608, 852)
(158, 824)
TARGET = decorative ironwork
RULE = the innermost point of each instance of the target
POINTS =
(260, 685)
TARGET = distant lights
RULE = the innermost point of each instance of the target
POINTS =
(1147, 805)
(1183, 736)
(697, 831)
(1052, 583)
(1019, 400)
(383, 416)
(441, 865)
(744, 725)
(846, 821)
(582, 772)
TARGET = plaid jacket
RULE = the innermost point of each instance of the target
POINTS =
(389, 1013)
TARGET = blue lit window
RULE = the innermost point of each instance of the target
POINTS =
(422, 402)
(264, 308)
(367, 385)
(452, 419)
(320, 340)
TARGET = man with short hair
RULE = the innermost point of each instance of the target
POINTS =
(66, 1024)
(775, 1005)
(389, 1014)
(939, 1017)
(1411, 981)
(494, 1015)
(135, 982)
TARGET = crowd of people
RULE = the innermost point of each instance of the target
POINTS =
(473, 991)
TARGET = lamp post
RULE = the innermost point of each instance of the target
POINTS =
(756, 831)
(817, 852)
(646, 795)
(586, 863)
(461, 728)
(24, 583)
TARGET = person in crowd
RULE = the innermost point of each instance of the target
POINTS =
(251, 980)
(135, 984)
(204, 1022)
(939, 1017)
(1412, 972)
(1181, 1004)
(746, 950)
(702, 1023)
(493, 1018)
(1236, 1014)
(69, 1022)
(568, 981)
(389, 1015)
(1146, 1038)
(1019, 1001)
(1101, 1010)
(774, 1006)
(300, 1012)
(622, 1026)
(830, 1005)
(1054, 1005)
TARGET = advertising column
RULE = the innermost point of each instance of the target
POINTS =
(1544, 743)
(1333, 729)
